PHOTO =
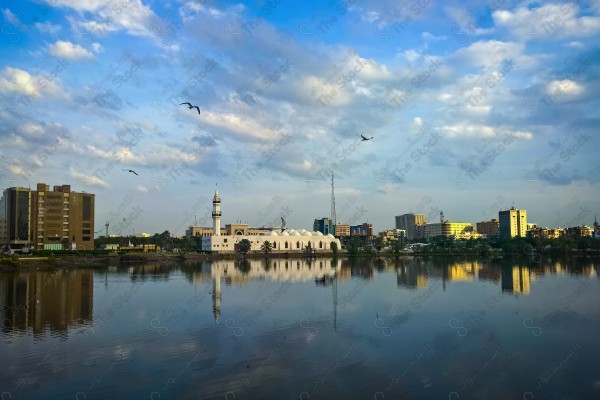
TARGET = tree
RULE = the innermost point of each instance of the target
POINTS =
(379, 243)
(244, 246)
(334, 248)
(266, 246)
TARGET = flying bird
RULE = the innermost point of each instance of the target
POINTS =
(364, 139)
(130, 170)
(190, 106)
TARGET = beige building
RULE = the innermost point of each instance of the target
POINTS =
(409, 223)
(230, 229)
(512, 223)
(342, 230)
(457, 230)
(45, 219)
(488, 228)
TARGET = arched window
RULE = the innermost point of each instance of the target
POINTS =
(297, 245)
(286, 245)
(320, 245)
(274, 244)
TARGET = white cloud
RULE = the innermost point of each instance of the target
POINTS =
(432, 38)
(97, 47)
(19, 171)
(70, 51)
(564, 87)
(122, 154)
(141, 189)
(477, 131)
(129, 15)
(19, 81)
(89, 180)
(548, 21)
(10, 17)
(418, 121)
(47, 27)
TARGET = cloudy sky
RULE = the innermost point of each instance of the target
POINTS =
(473, 106)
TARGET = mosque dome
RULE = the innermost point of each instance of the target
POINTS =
(284, 233)
(295, 233)
(329, 235)
(317, 233)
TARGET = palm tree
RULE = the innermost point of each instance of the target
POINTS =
(266, 246)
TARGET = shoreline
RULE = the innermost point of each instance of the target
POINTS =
(91, 261)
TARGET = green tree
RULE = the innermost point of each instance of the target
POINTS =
(334, 248)
(379, 243)
(266, 246)
(244, 246)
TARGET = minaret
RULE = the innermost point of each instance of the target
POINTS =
(216, 292)
(216, 214)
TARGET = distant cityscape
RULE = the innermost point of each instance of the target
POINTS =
(61, 219)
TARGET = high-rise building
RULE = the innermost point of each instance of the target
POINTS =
(365, 230)
(409, 223)
(15, 217)
(488, 228)
(323, 225)
(512, 223)
(44, 219)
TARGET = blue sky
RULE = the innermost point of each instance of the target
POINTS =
(472, 106)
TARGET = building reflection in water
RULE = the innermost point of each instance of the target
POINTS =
(516, 280)
(324, 272)
(44, 301)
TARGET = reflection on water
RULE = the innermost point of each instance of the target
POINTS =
(297, 328)
(44, 300)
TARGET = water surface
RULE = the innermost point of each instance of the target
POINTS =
(292, 329)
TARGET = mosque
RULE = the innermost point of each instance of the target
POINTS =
(284, 241)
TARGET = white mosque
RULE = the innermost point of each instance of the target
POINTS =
(285, 241)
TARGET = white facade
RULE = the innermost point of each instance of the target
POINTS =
(283, 242)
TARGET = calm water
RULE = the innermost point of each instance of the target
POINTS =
(373, 329)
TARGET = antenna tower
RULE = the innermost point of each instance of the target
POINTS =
(106, 225)
(333, 216)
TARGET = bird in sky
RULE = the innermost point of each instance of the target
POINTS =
(190, 106)
(364, 139)
(130, 170)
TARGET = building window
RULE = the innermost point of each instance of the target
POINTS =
(85, 238)
(320, 245)
(286, 245)
(225, 240)
(274, 244)
(87, 208)
(297, 245)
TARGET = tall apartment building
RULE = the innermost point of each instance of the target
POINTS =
(323, 225)
(51, 220)
(512, 223)
(489, 228)
(409, 223)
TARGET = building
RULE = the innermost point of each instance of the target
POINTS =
(545, 233)
(456, 230)
(230, 229)
(488, 228)
(409, 223)
(44, 219)
(364, 230)
(512, 223)
(579, 232)
(15, 217)
(286, 241)
(323, 225)
(393, 235)
(342, 230)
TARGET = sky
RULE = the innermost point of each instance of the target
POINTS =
(473, 107)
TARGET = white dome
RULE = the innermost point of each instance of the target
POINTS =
(291, 231)
(284, 233)
(303, 231)
(317, 233)
(296, 233)
(329, 235)
(273, 233)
